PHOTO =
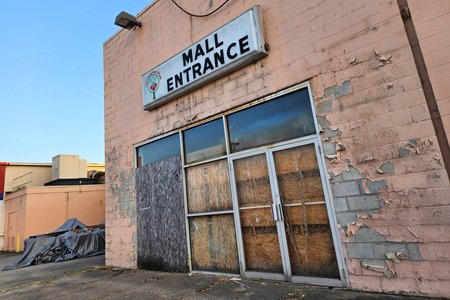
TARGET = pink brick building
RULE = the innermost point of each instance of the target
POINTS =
(304, 141)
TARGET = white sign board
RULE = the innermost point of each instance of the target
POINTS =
(232, 46)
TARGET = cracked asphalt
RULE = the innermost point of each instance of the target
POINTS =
(88, 278)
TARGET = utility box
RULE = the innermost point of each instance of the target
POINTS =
(68, 167)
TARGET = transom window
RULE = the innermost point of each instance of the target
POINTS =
(287, 117)
(158, 150)
(204, 142)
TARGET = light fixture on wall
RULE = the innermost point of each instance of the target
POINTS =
(127, 21)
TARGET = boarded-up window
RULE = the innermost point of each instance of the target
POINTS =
(212, 233)
(208, 187)
(213, 243)
(161, 231)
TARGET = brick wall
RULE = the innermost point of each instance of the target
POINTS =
(389, 183)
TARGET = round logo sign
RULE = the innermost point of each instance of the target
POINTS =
(153, 81)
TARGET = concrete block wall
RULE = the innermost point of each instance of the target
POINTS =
(390, 188)
(386, 170)
(432, 22)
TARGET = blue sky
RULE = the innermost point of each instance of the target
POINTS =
(51, 76)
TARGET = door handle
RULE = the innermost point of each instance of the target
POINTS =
(280, 212)
(277, 212)
(275, 216)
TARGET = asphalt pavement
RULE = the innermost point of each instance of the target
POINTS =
(88, 278)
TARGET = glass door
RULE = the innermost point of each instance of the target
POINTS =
(309, 240)
(282, 215)
(260, 241)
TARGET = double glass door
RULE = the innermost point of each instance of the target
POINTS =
(281, 214)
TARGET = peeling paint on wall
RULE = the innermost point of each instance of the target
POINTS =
(338, 90)
(355, 195)
(122, 189)
(358, 199)
(386, 167)
(120, 210)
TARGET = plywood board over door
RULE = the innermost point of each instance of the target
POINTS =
(259, 230)
(308, 233)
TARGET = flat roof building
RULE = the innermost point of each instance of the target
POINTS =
(28, 208)
(286, 140)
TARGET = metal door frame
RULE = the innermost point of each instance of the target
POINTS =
(287, 275)
(237, 220)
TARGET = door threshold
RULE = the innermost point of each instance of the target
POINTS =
(329, 282)
(319, 281)
(267, 276)
(214, 273)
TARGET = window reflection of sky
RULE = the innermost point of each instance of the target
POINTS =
(204, 136)
(159, 150)
(284, 118)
